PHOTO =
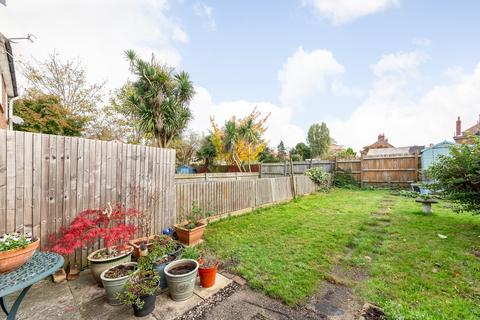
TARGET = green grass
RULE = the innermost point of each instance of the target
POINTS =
(415, 274)
(286, 250)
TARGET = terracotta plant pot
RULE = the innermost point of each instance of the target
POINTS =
(14, 259)
(97, 266)
(135, 243)
(208, 276)
(190, 236)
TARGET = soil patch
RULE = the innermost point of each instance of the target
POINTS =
(120, 271)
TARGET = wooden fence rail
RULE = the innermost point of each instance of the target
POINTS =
(46, 180)
(381, 171)
(221, 197)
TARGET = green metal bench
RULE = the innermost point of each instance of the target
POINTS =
(40, 266)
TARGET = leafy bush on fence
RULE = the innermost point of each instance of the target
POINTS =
(320, 177)
(344, 179)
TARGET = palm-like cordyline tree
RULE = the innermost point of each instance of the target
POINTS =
(160, 99)
(231, 137)
(249, 132)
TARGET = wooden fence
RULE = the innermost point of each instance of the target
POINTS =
(46, 180)
(221, 197)
(188, 178)
(381, 171)
(299, 167)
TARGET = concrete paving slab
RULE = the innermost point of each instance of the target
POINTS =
(84, 289)
(247, 304)
(167, 309)
(220, 282)
(46, 300)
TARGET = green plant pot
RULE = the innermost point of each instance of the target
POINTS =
(97, 266)
(181, 286)
(114, 286)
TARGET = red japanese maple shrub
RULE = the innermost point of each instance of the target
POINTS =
(113, 225)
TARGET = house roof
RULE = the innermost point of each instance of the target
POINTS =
(393, 152)
(473, 130)
(439, 145)
(7, 66)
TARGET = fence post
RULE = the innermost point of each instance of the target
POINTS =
(292, 178)
(361, 171)
(260, 170)
(417, 171)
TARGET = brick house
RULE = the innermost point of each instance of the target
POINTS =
(462, 137)
(8, 84)
(381, 143)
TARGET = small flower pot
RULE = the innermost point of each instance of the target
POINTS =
(13, 259)
(208, 276)
(181, 275)
(97, 266)
(190, 236)
(148, 306)
(113, 286)
(160, 268)
(137, 242)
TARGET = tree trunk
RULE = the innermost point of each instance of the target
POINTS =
(249, 166)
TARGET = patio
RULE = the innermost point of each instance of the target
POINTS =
(82, 299)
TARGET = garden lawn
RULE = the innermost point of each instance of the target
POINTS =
(415, 274)
(285, 250)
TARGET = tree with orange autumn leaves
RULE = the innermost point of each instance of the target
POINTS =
(240, 141)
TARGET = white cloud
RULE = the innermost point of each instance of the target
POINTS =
(96, 31)
(305, 74)
(389, 108)
(204, 11)
(345, 11)
(279, 122)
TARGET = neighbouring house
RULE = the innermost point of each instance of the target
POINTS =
(381, 143)
(8, 84)
(336, 148)
(463, 137)
(393, 152)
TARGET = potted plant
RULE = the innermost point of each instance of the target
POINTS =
(109, 225)
(208, 269)
(114, 279)
(139, 292)
(190, 230)
(181, 275)
(15, 250)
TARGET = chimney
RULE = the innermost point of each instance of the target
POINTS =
(458, 131)
(381, 137)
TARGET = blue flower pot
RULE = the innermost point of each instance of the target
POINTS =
(159, 269)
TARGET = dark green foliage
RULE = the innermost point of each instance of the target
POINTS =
(207, 152)
(281, 151)
(44, 114)
(458, 176)
(267, 156)
(141, 284)
(160, 99)
(303, 151)
(344, 179)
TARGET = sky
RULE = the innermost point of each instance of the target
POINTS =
(404, 68)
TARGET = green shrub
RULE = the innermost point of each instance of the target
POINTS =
(344, 179)
(458, 175)
(320, 177)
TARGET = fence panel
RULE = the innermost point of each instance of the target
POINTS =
(46, 180)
